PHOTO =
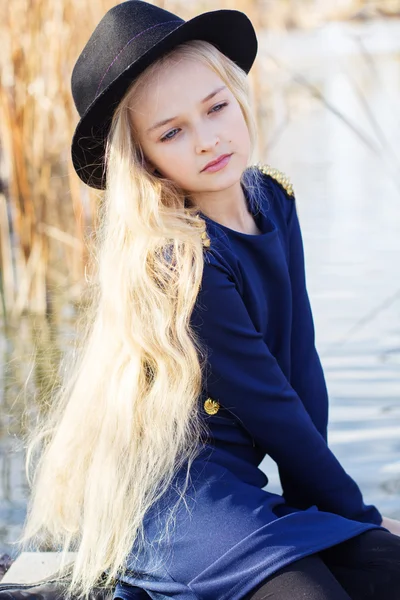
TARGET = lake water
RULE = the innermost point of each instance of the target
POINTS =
(346, 176)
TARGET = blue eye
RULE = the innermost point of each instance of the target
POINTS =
(220, 106)
(167, 136)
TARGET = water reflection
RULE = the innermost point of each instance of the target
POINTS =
(347, 184)
(33, 349)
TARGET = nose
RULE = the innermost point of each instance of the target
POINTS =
(205, 140)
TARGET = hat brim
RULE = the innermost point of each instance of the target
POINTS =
(229, 30)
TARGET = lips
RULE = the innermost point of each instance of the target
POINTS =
(216, 161)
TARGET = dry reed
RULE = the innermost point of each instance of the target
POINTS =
(46, 214)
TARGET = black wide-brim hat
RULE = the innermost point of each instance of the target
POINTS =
(128, 39)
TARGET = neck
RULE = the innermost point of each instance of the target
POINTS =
(228, 207)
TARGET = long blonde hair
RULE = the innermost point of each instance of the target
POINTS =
(125, 419)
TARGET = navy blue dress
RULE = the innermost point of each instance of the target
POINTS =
(265, 393)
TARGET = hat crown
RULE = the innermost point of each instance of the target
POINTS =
(124, 34)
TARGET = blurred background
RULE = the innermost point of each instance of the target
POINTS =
(326, 87)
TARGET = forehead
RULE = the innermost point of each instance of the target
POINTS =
(173, 88)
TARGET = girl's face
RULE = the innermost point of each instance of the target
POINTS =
(185, 118)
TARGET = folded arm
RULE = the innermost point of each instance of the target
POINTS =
(307, 377)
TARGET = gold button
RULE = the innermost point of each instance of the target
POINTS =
(211, 406)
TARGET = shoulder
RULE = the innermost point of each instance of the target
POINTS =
(221, 262)
(277, 192)
(276, 176)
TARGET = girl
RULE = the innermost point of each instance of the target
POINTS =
(199, 357)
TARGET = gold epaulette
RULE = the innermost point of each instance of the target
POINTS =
(280, 177)
(204, 235)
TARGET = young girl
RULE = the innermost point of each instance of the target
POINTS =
(199, 356)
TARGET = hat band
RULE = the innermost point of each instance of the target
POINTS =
(129, 42)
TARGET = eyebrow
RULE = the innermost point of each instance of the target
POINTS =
(165, 121)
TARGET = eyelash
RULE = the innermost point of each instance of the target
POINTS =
(167, 139)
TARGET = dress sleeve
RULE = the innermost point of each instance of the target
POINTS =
(307, 376)
(246, 379)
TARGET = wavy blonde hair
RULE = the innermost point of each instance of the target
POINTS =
(125, 419)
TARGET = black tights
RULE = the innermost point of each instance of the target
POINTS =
(366, 567)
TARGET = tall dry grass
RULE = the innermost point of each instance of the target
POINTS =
(43, 209)
(46, 214)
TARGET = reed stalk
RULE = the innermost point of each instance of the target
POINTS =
(45, 211)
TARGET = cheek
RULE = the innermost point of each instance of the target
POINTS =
(160, 155)
(245, 138)
(240, 128)
(175, 162)
(172, 156)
